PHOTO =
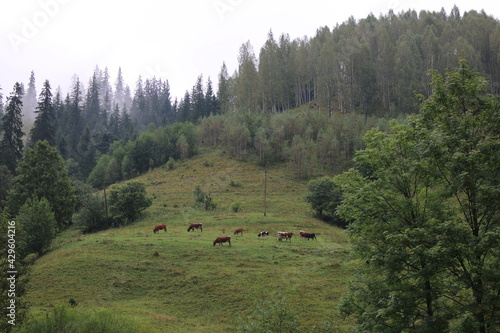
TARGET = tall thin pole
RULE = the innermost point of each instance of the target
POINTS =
(265, 192)
(105, 202)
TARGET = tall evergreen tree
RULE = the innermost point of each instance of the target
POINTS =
(44, 127)
(92, 104)
(167, 115)
(30, 98)
(43, 174)
(198, 105)
(11, 146)
(138, 110)
(184, 109)
(119, 97)
(224, 93)
(211, 102)
(74, 119)
(1, 110)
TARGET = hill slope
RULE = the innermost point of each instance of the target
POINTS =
(178, 281)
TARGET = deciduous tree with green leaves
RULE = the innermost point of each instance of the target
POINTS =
(425, 215)
(128, 201)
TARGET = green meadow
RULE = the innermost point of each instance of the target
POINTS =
(177, 281)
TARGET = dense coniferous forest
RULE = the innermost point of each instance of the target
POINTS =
(367, 70)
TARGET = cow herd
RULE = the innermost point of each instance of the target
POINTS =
(282, 235)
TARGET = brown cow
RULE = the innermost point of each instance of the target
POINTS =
(160, 227)
(222, 239)
(195, 226)
(285, 235)
(238, 231)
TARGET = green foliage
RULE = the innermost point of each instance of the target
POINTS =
(273, 316)
(128, 201)
(42, 174)
(235, 183)
(64, 320)
(37, 226)
(151, 149)
(325, 196)
(6, 180)
(44, 126)
(170, 165)
(91, 216)
(11, 145)
(203, 200)
(236, 206)
(423, 215)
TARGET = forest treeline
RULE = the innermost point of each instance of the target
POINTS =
(373, 66)
(344, 80)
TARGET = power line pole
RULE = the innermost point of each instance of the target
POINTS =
(106, 203)
(265, 192)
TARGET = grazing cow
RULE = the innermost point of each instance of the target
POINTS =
(195, 226)
(238, 231)
(222, 239)
(160, 227)
(285, 235)
(263, 234)
(309, 235)
(302, 233)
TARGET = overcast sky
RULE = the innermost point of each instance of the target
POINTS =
(175, 40)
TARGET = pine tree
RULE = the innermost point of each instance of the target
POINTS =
(167, 114)
(1, 110)
(74, 125)
(115, 122)
(43, 174)
(198, 106)
(119, 89)
(223, 92)
(92, 103)
(11, 146)
(29, 98)
(211, 102)
(43, 128)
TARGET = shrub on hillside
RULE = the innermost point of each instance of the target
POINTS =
(128, 201)
(203, 200)
(37, 225)
(92, 214)
(271, 316)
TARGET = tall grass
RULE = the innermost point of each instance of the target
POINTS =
(76, 320)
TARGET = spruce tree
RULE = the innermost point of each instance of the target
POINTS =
(42, 174)
(11, 146)
(44, 128)
(1, 110)
(29, 98)
(223, 92)
(119, 97)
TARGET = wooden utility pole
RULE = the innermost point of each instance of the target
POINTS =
(265, 192)
(106, 203)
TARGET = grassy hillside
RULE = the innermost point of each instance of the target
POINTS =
(178, 281)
